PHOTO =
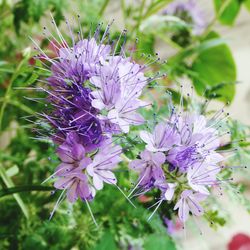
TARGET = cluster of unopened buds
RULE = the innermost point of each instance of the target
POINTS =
(93, 96)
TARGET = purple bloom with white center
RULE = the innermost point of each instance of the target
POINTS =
(78, 63)
(76, 170)
(189, 202)
(198, 142)
(188, 143)
(167, 189)
(190, 13)
(163, 138)
(70, 172)
(201, 176)
(103, 163)
(119, 83)
(149, 168)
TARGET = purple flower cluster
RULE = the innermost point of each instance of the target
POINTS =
(93, 93)
(181, 161)
(76, 169)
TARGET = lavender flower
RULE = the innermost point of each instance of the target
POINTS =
(189, 12)
(77, 64)
(119, 84)
(163, 138)
(93, 94)
(70, 172)
(198, 142)
(167, 189)
(76, 170)
(77, 185)
(149, 167)
(189, 202)
(103, 163)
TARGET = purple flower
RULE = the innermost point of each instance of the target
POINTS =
(76, 183)
(163, 138)
(190, 12)
(93, 92)
(124, 114)
(79, 174)
(70, 172)
(167, 189)
(79, 62)
(201, 175)
(189, 202)
(149, 167)
(198, 142)
(119, 83)
(73, 113)
(103, 163)
(184, 145)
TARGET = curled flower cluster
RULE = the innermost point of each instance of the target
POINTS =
(180, 160)
(93, 93)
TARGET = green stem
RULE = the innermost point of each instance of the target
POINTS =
(217, 15)
(123, 11)
(105, 4)
(167, 40)
(8, 182)
(21, 106)
(153, 8)
(140, 16)
(19, 189)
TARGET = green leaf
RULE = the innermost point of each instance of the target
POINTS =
(227, 10)
(107, 242)
(145, 44)
(159, 242)
(215, 72)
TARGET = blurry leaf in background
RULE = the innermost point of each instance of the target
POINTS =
(216, 71)
(145, 44)
(32, 10)
(161, 23)
(107, 242)
(247, 4)
(216, 218)
(159, 242)
(227, 10)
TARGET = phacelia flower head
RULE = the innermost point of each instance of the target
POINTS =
(182, 159)
(93, 92)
